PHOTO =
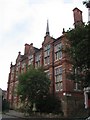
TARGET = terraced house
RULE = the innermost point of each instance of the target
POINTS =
(55, 63)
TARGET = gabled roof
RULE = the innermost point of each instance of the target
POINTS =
(36, 49)
(77, 9)
(23, 57)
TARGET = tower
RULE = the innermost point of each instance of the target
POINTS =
(77, 17)
(47, 29)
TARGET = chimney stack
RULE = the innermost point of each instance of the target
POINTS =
(77, 17)
(27, 46)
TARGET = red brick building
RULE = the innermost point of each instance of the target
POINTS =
(56, 63)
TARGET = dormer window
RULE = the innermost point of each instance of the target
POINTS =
(17, 68)
(47, 54)
(23, 65)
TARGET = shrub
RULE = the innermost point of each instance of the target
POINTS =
(49, 104)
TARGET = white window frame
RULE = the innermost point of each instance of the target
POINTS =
(59, 82)
(58, 51)
(47, 54)
(23, 65)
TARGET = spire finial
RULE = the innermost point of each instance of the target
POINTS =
(47, 28)
(63, 31)
(11, 64)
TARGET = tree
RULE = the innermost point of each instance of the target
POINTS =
(79, 52)
(87, 3)
(33, 84)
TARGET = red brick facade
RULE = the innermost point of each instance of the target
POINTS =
(56, 63)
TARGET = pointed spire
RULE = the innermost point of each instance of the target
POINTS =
(47, 28)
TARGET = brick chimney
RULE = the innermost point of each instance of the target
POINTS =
(77, 17)
(26, 50)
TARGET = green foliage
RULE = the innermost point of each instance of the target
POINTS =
(49, 104)
(79, 52)
(32, 84)
(87, 3)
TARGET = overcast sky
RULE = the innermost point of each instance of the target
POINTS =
(24, 21)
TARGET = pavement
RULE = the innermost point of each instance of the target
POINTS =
(12, 114)
(16, 114)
